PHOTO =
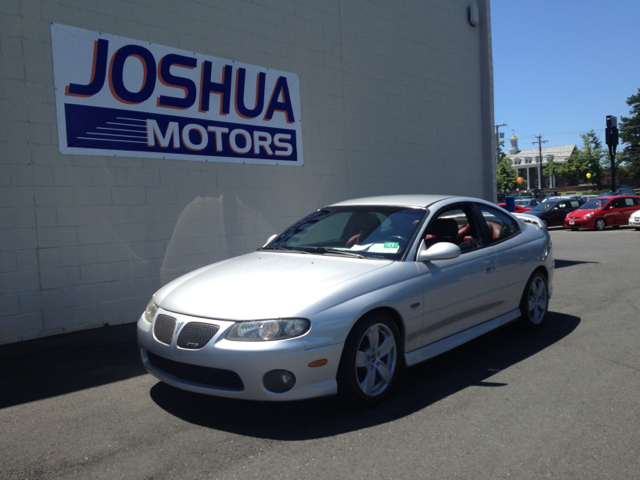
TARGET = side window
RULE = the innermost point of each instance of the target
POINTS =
(562, 205)
(499, 225)
(628, 202)
(575, 203)
(453, 226)
(636, 201)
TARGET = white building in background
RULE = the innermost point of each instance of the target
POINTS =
(141, 140)
(526, 162)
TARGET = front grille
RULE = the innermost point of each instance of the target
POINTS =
(163, 328)
(195, 335)
(213, 377)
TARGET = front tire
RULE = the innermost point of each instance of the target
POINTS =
(535, 302)
(370, 360)
(600, 224)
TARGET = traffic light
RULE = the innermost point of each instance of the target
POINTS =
(611, 132)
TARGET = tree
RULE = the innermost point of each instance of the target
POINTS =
(501, 154)
(588, 160)
(506, 175)
(552, 169)
(630, 134)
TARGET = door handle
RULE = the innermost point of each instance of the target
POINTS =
(490, 268)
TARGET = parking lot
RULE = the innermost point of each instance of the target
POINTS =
(560, 403)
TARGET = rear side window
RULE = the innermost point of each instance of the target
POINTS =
(628, 202)
(575, 203)
(499, 225)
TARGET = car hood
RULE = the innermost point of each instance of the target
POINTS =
(260, 285)
(580, 213)
(538, 213)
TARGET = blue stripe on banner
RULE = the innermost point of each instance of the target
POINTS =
(123, 130)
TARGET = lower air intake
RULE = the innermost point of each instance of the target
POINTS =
(212, 377)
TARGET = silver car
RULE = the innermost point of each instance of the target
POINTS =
(342, 299)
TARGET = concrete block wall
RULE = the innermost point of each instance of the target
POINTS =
(395, 98)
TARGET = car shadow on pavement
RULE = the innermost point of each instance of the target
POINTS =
(569, 263)
(420, 386)
(52, 366)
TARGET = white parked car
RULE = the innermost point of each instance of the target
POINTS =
(341, 300)
(634, 220)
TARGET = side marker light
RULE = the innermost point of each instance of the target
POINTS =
(318, 363)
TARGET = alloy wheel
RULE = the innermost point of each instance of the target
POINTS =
(376, 359)
(537, 300)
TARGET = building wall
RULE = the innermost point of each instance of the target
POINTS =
(396, 97)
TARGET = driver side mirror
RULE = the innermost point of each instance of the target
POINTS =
(439, 251)
(270, 239)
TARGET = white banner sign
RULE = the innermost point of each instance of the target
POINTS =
(124, 97)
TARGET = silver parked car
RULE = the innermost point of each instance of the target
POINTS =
(342, 299)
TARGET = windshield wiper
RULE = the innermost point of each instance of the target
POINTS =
(332, 251)
(285, 249)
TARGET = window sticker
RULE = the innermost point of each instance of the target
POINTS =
(387, 247)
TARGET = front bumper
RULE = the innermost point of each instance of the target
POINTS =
(579, 222)
(249, 361)
(634, 222)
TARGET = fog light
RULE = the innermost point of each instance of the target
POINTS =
(279, 381)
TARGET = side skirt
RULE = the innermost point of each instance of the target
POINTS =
(441, 346)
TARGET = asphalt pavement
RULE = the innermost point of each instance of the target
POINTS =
(560, 403)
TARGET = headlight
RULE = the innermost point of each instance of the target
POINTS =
(150, 311)
(588, 215)
(261, 330)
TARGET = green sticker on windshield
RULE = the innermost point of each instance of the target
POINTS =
(391, 245)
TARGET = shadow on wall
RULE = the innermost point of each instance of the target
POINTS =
(212, 229)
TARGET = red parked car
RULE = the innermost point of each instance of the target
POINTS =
(518, 209)
(522, 204)
(601, 212)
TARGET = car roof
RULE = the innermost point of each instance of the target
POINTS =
(417, 200)
(395, 200)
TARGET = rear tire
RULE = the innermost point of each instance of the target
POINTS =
(535, 302)
(600, 224)
(370, 361)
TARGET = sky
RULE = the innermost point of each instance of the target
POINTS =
(560, 67)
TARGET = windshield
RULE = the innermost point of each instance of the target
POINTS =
(595, 204)
(362, 231)
(543, 207)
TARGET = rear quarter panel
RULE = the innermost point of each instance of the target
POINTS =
(517, 259)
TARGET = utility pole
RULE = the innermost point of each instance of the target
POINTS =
(540, 142)
(498, 141)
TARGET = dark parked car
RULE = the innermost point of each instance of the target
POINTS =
(527, 203)
(552, 213)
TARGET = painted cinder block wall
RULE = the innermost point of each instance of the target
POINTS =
(396, 97)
